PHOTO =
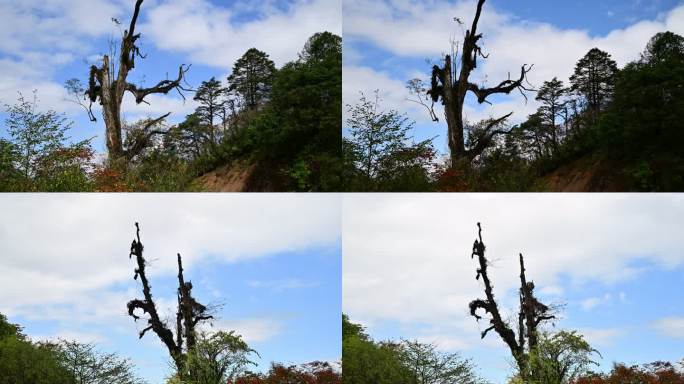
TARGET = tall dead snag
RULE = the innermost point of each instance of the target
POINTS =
(531, 314)
(452, 91)
(108, 84)
(189, 314)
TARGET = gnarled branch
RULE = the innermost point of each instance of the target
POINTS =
(505, 87)
(484, 139)
(163, 87)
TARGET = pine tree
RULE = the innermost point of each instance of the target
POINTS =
(212, 100)
(594, 79)
(252, 77)
(551, 95)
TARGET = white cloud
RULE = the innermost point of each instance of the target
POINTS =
(623, 297)
(253, 330)
(393, 93)
(72, 335)
(601, 337)
(54, 24)
(209, 35)
(671, 326)
(283, 284)
(58, 259)
(406, 258)
(552, 290)
(592, 302)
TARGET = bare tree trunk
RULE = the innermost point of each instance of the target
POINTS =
(453, 92)
(148, 306)
(530, 315)
(109, 88)
(189, 314)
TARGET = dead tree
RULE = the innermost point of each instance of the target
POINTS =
(452, 87)
(531, 313)
(108, 83)
(188, 315)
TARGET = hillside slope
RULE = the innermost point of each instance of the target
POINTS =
(591, 173)
(244, 175)
(232, 177)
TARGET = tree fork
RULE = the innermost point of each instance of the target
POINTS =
(110, 88)
(531, 312)
(453, 93)
(189, 313)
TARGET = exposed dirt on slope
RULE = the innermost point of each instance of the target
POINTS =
(587, 174)
(233, 177)
(243, 176)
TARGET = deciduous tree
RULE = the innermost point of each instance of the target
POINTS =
(39, 155)
(560, 358)
(218, 358)
(430, 366)
(381, 146)
(89, 366)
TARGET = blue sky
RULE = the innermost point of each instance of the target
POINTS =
(271, 262)
(614, 261)
(390, 42)
(45, 43)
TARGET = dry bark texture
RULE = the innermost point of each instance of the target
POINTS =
(531, 313)
(108, 83)
(189, 314)
(451, 85)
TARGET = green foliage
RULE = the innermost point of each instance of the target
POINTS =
(211, 96)
(251, 77)
(594, 78)
(11, 178)
(306, 98)
(87, 365)
(560, 358)
(8, 329)
(364, 361)
(646, 120)
(189, 139)
(218, 358)
(410, 362)
(67, 362)
(379, 154)
(22, 361)
(350, 329)
(664, 47)
(551, 95)
(37, 156)
(430, 366)
(159, 171)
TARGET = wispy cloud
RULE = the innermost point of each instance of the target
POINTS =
(670, 326)
(283, 284)
(252, 330)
